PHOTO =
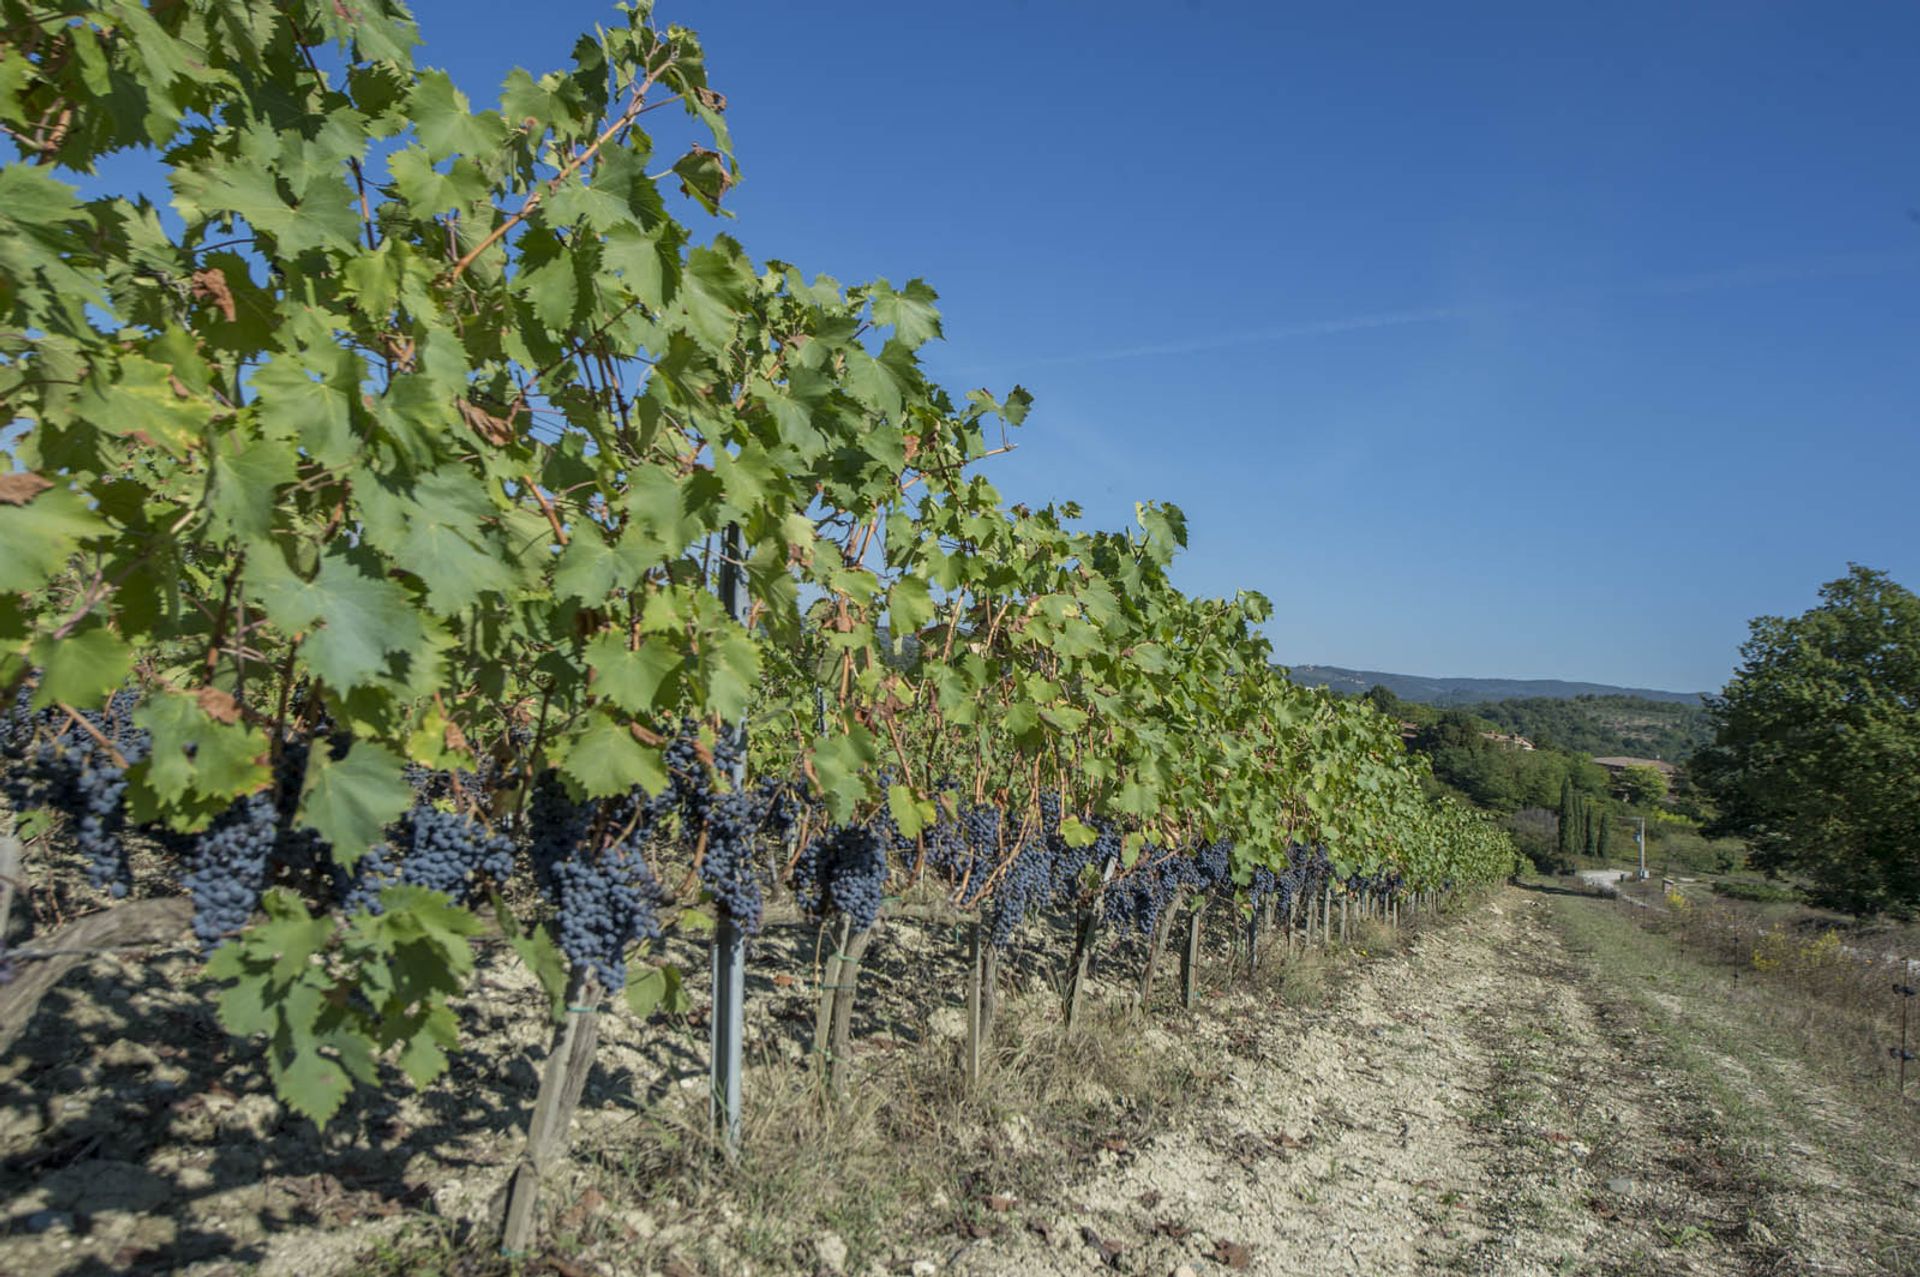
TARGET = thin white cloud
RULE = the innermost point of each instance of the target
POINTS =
(1809, 270)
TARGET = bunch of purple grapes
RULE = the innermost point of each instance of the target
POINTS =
(605, 901)
(72, 772)
(1025, 888)
(727, 869)
(227, 865)
(844, 870)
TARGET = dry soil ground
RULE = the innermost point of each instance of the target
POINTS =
(1537, 1089)
(1538, 1085)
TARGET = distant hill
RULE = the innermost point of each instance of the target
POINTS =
(1469, 691)
(1603, 726)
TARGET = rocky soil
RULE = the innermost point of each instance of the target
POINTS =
(1487, 1098)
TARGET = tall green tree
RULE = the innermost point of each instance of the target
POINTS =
(1569, 819)
(1604, 839)
(1641, 785)
(1816, 754)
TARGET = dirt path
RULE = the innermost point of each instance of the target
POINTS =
(1483, 1103)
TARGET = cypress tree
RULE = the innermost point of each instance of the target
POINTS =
(1569, 816)
(1592, 827)
(1606, 835)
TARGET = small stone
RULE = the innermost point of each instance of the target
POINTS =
(831, 1251)
(1185, 1270)
(640, 1223)
(925, 1268)
(49, 1221)
(1620, 1184)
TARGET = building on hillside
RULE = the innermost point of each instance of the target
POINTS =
(1515, 741)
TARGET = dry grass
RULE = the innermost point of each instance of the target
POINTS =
(1838, 1007)
(911, 1151)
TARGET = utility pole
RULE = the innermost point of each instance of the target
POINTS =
(1641, 838)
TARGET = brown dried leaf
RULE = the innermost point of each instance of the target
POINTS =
(495, 430)
(1232, 1254)
(1110, 1250)
(1149, 1199)
(218, 705)
(21, 487)
(210, 285)
(1000, 1201)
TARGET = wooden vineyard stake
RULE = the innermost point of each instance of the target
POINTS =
(841, 1060)
(1083, 951)
(829, 990)
(561, 1083)
(1155, 942)
(976, 1004)
(1190, 957)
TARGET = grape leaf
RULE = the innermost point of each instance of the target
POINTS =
(350, 801)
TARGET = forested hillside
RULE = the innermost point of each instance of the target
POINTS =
(1467, 691)
(1603, 725)
(1597, 726)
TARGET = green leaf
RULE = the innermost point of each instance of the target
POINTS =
(143, 397)
(421, 1057)
(604, 759)
(352, 620)
(658, 989)
(82, 668)
(302, 405)
(350, 801)
(37, 538)
(446, 124)
(909, 606)
(542, 956)
(905, 809)
(840, 764)
(630, 679)
(697, 922)
(910, 312)
(731, 665)
(313, 1086)
(714, 291)
(431, 192)
(244, 483)
(195, 766)
(1077, 834)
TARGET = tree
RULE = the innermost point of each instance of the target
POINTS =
(1592, 829)
(1383, 699)
(1641, 785)
(1817, 745)
(1604, 839)
(1569, 821)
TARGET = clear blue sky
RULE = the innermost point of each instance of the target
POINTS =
(1518, 340)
